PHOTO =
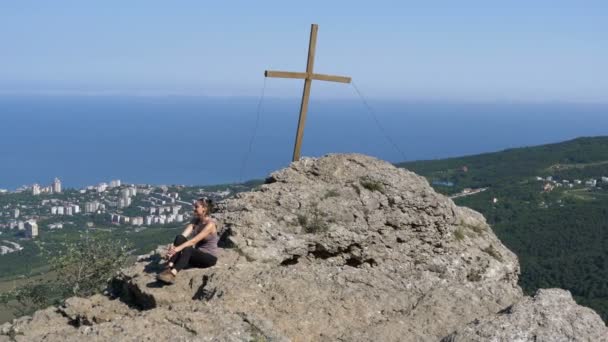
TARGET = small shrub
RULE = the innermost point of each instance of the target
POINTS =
(302, 220)
(459, 234)
(331, 193)
(357, 189)
(490, 250)
(372, 185)
(479, 229)
(314, 221)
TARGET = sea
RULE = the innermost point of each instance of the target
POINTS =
(85, 140)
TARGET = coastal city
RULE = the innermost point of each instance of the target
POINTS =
(40, 209)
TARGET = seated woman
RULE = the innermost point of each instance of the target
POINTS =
(200, 250)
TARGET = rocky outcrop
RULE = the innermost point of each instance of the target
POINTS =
(551, 315)
(344, 247)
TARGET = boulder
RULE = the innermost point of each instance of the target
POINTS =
(550, 316)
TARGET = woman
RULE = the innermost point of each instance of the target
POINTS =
(200, 250)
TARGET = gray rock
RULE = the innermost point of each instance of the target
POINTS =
(551, 315)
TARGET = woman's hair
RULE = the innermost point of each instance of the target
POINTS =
(207, 203)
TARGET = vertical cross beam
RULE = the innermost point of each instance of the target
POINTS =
(306, 94)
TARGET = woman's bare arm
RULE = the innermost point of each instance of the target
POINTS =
(188, 230)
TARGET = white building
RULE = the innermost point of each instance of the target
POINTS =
(58, 225)
(53, 210)
(57, 186)
(76, 208)
(69, 210)
(604, 179)
(132, 191)
(115, 183)
(36, 189)
(591, 182)
(149, 220)
(60, 210)
(179, 218)
(124, 193)
(577, 181)
(16, 213)
(101, 187)
(91, 207)
(137, 221)
(31, 229)
(124, 202)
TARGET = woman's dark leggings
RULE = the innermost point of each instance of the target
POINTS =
(190, 256)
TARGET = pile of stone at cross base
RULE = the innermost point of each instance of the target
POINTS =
(340, 248)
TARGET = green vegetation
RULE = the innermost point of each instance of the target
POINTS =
(560, 236)
(33, 259)
(313, 221)
(82, 268)
(331, 193)
(491, 251)
(459, 234)
(371, 185)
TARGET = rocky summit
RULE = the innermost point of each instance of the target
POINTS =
(340, 248)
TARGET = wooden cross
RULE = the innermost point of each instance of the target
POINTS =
(308, 76)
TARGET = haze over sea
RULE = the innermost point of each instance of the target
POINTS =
(85, 140)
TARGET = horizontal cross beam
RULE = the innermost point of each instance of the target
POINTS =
(304, 75)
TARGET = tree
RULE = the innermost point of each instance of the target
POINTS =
(82, 268)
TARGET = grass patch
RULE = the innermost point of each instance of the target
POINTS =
(331, 193)
(372, 185)
(490, 250)
(313, 221)
(459, 234)
(479, 229)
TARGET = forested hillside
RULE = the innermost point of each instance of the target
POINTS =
(548, 204)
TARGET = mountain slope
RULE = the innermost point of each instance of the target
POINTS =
(559, 232)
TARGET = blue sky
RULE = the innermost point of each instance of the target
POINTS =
(524, 51)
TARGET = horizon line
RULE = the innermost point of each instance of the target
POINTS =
(194, 94)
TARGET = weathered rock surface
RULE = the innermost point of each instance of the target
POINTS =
(551, 315)
(344, 247)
